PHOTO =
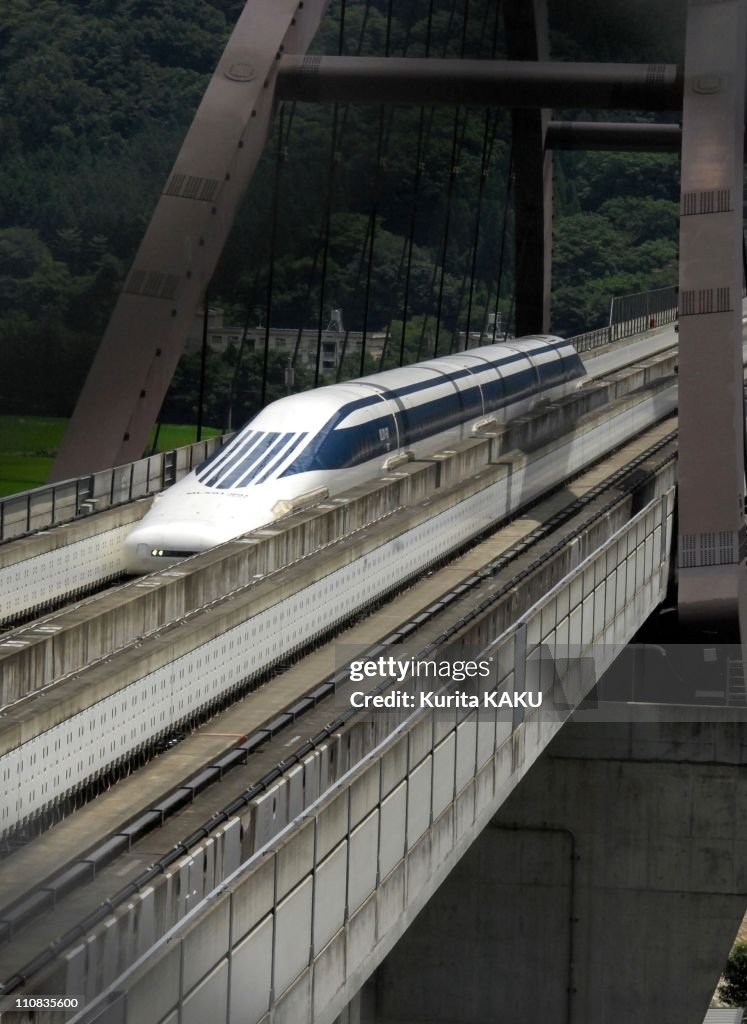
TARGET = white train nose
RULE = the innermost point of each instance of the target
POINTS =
(156, 546)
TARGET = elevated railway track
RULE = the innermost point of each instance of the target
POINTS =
(292, 727)
(142, 829)
(64, 542)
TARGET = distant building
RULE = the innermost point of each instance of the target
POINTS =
(724, 1016)
(222, 336)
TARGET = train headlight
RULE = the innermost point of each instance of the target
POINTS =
(156, 553)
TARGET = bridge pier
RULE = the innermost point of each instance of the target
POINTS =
(609, 888)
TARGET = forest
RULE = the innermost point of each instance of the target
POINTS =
(95, 98)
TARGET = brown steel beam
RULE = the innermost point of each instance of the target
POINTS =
(132, 370)
(524, 83)
(712, 577)
(614, 136)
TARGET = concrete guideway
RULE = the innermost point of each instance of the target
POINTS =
(394, 827)
(64, 562)
(63, 642)
(132, 698)
(35, 570)
(494, 580)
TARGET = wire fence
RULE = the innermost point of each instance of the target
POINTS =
(632, 314)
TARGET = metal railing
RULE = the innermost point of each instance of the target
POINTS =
(59, 503)
(632, 314)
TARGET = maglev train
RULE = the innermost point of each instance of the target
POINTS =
(325, 441)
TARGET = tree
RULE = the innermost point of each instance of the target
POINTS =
(733, 989)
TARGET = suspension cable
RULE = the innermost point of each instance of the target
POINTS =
(506, 201)
(455, 152)
(488, 143)
(432, 285)
(271, 267)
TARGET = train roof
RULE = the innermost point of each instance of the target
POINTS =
(309, 410)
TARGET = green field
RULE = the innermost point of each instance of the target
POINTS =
(28, 445)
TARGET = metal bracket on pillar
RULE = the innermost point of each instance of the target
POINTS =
(153, 316)
(711, 542)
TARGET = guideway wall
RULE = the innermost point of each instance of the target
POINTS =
(608, 888)
(294, 932)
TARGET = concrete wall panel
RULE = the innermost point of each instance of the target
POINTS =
(600, 595)
(444, 722)
(269, 816)
(127, 945)
(209, 1001)
(145, 919)
(103, 954)
(504, 659)
(329, 896)
(251, 975)
(164, 902)
(485, 737)
(363, 861)
(574, 625)
(252, 898)
(205, 944)
(311, 777)
(75, 970)
(420, 742)
(393, 766)
(196, 877)
(483, 788)
(390, 896)
(502, 729)
(332, 825)
(294, 1007)
(228, 838)
(465, 809)
(443, 774)
(465, 755)
(147, 1001)
(326, 775)
(418, 801)
(392, 838)
(181, 883)
(292, 936)
(295, 859)
(329, 972)
(419, 865)
(587, 620)
(361, 934)
(442, 836)
(364, 794)
(295, 776)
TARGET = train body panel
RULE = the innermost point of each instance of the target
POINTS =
(341, 435)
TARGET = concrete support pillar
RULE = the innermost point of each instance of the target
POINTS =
(712, 541)
(527, 39)
(608, 889)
